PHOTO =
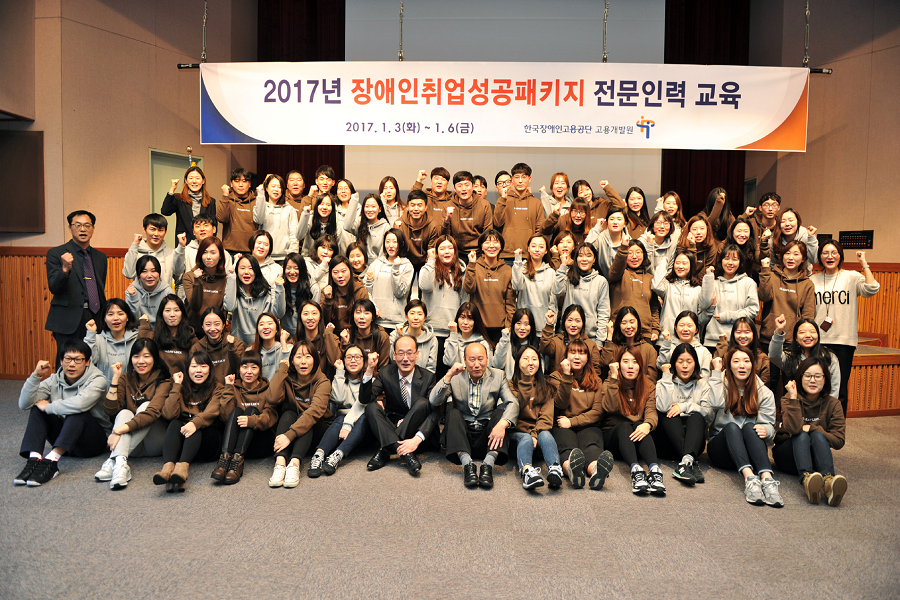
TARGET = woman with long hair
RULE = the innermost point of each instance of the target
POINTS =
(625, 331)
(533, 278)
(578, 281)
(318, 220)
(173, 335)
(636, 211)
(193, 200)
(812, 425)
(366, 333)
(686, 330)
(558, 198)
(607, 237)
(535, 421)
(554, 346)
(271, 344)
(680, 289)
(578, 397)
(745, 336)
(786, 290)
(735, 294)
(224, 350)
(415, 326)
(743, 422)
(248, 294)
(577, 219)
(789, 228)
(343, 290)
(388, 280)
(204, 283)
(277, 217)
(671, 203)
(806, 344)
(440, 288)
(522, 333)
(466, 328)
(660, 240)
(145, 293)
(629, 416)
(696, 236)
(717, 211)
(260, 246)
(323, 250)
(313, 329)
(389, 193)
(110, 341)
(369, 226)
(742, 235)
(630, 280)
(191, 408)
(299, 287)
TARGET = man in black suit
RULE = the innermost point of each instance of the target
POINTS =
(404, 419)
(76, 276)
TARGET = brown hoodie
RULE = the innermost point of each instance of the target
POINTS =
(236, 216)
(631, 287)
(600, 207)
(436, 204)
(648, 354)
(467, 223)
(130, 394)
(200, 412)
(824, 415)
(491, 290)
(612, 412)
(309, 399)
(258, 397)
(378, 341)
(555, 347)
(533, 419)
(225, 355)
(581, 407)
(420, 235)
(520, 215)
(794, 297)
(337, 308)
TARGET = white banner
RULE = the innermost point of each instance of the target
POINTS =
(573, 105)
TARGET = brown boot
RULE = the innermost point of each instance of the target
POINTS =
(163, 476)
(179, 487)
(180, 474)
(170, 487)
(219, 473)
(835, 488)
(235, 469)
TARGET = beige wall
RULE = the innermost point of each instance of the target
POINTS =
(17, 58)
(848, 177)
(107, 90)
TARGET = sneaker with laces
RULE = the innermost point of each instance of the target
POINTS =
(697, 472)
(639, 483)
(315, 466)
(812, 485)
(121, 475)
(30, 466)
(753, 491)
(685, 473)
(332, 462)
(601, 471)
(44, 471)
(292, 476)
(555, 477)
(277, 478)
(532, 479)
(576, 468)
(770, 492)
(657, 488)
(106, 471)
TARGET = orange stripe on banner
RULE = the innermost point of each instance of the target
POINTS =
(790, 136)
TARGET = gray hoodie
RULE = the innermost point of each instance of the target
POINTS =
(606, 250)
(281, 221)
(345, 399)
(718, 398)
(679, 296)
(427, 344)
(146, 303)
(534, 294)
(442, 300)
(691, 397)
(105, 351)
(454, 349)
(375, 241)
(85, 395)
(665, 355)
(389, 288)
(504, 358)
(271, 358)
(779, 358)
(660, 253)
(592, 294)
(246, 310)
(735, 298)
(170, 262)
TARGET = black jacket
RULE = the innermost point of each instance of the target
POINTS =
(184, 215)
(69, 293)
(388, 381)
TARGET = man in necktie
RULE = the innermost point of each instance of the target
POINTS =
(404, 419)
(76, 276)
(482, 407)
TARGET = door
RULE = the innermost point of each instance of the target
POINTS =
(164, 167)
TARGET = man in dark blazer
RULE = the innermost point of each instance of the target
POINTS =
(482, 407)
(76, 276)
(404, 419)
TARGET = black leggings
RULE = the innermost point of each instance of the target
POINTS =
(618, 442)
(244, 440)
(844, 356)
(203, 445)
(684, 434)
(588, 439)
(300, 445)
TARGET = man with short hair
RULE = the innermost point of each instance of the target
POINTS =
(294, 193)
(66, 409)
(404, 419)
(235, 212)
(153, 243)
(518, 213)
(502, 181)
(325, 180)
(479, 186)
(468, 215)
(482, 407)
(76, 276)
(438, 194)
(418, 228)
(765, 214)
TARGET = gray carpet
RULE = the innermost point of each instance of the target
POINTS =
(372, 535)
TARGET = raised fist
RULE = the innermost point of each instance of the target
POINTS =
(432, 255)
(550, 316)
(717, 363)
(565, 367)
(226, 190)
(42, 369)
(345, 336)
(423, 175)
(473, 256)
(138, 238)
(229, 379)
(67, 259)
(452, 327)
(91, 326)
(178, 377)
(780, 322)
(174, 186)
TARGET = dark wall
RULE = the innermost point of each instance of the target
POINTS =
(706, 32)
(300, 31)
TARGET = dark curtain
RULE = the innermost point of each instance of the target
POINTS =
(300, 31)
(706, 32)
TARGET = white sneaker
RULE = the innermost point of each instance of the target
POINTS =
(292, 476)
(106, 471)
(277, 478)
(121, 475)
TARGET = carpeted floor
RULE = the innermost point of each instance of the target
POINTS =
(372, 535)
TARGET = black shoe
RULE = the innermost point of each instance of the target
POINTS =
(657, 488)
(639, 483)
(604, 466)
(555, 477)
(470, 476)
(685, 474)
(379, 460)
(44, 471)
(576, 468)
(412, 464)
(30, 466)
(486, 477)
(697, 473)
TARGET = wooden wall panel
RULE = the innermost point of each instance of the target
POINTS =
(874, 390)
(881, 313)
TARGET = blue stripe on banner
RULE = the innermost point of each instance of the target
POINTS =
(215, 129)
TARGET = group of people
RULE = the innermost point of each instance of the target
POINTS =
(590, 328)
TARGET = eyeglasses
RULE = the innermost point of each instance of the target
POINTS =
(73, 360)
(82, 226)
(813, 377)
(353, 357)
(769, 205)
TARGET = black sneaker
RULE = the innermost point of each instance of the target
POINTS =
(697, 473)
(604, 466)
(656, 483)
(30, 466)
(532, 479)
(576, 468)
(43, 472)
(685, 474)
(639, 483)
(555, 477)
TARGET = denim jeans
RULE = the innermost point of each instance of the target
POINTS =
(739, 448)
(804, 453)
(331, 440)
(525, 448)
